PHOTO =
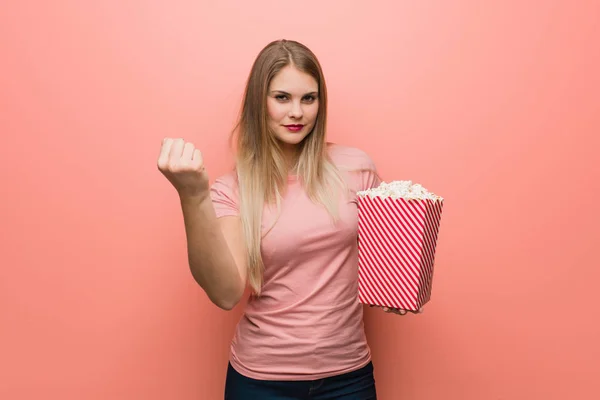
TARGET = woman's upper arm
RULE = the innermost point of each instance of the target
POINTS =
(225, 201)
(231, 226)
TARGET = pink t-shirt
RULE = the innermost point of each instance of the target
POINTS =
(308, 323)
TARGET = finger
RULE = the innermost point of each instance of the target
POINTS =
(197, 160)
(188, 153)
(163, 157)
(176, 150)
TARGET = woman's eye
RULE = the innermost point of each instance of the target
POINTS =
(309, 99)
(281, 97)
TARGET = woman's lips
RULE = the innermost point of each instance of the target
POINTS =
(294, 128)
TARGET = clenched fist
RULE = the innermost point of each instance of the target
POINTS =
(181, 163)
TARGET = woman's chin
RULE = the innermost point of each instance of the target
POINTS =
(291, 139)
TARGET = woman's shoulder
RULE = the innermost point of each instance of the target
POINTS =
(226, 180)
(229, 176)
(349, 155)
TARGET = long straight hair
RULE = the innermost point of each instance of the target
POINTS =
(261, 167)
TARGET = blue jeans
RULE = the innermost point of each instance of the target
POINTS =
(355, 385)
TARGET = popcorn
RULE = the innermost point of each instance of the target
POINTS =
(400, 189)
(398, 225)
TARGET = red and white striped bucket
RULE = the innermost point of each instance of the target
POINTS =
(396, 250)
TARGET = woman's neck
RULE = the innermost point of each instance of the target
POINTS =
(291, 157)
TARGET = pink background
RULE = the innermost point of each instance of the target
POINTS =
(493, 105)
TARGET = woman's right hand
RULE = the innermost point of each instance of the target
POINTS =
(181, 163)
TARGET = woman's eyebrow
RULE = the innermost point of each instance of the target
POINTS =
(287, 94)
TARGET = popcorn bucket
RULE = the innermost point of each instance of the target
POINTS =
(398, 226)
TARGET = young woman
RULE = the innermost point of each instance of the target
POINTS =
(282, 223)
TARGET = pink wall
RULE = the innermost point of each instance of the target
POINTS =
(493, 106)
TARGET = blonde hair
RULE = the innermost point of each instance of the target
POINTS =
(261, 168)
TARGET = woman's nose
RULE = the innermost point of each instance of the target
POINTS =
(295, 111)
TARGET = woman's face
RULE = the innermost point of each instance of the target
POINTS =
(292, 105)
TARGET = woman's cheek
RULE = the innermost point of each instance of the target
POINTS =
(275, 110)
(314, 111)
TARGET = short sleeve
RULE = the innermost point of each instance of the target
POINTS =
(224, 196)
(369, 175)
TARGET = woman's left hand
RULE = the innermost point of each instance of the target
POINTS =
(400, 311)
